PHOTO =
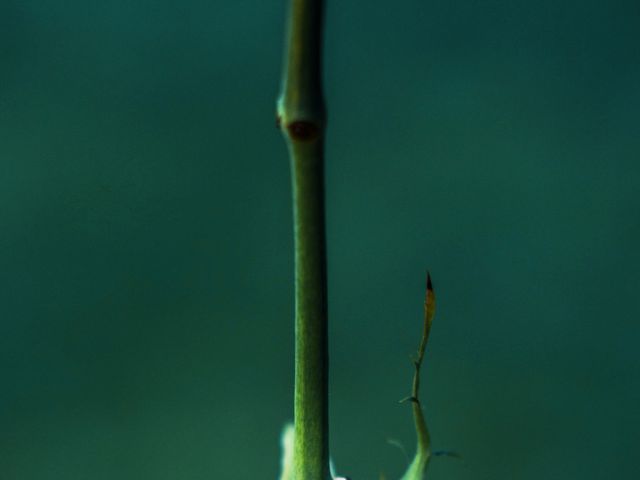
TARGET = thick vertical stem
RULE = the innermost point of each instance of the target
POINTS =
(301, 116)
(311, 358)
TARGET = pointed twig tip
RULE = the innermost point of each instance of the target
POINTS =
(429, 284)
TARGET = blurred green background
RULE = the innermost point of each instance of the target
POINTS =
(146, 253)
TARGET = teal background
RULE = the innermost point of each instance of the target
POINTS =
(146, 296)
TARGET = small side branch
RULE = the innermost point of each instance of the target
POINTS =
(423, 452)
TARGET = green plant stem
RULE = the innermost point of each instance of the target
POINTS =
(301, 117)
(421, 459)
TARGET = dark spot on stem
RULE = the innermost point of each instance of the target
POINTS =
(303, 130)
(278, 121)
